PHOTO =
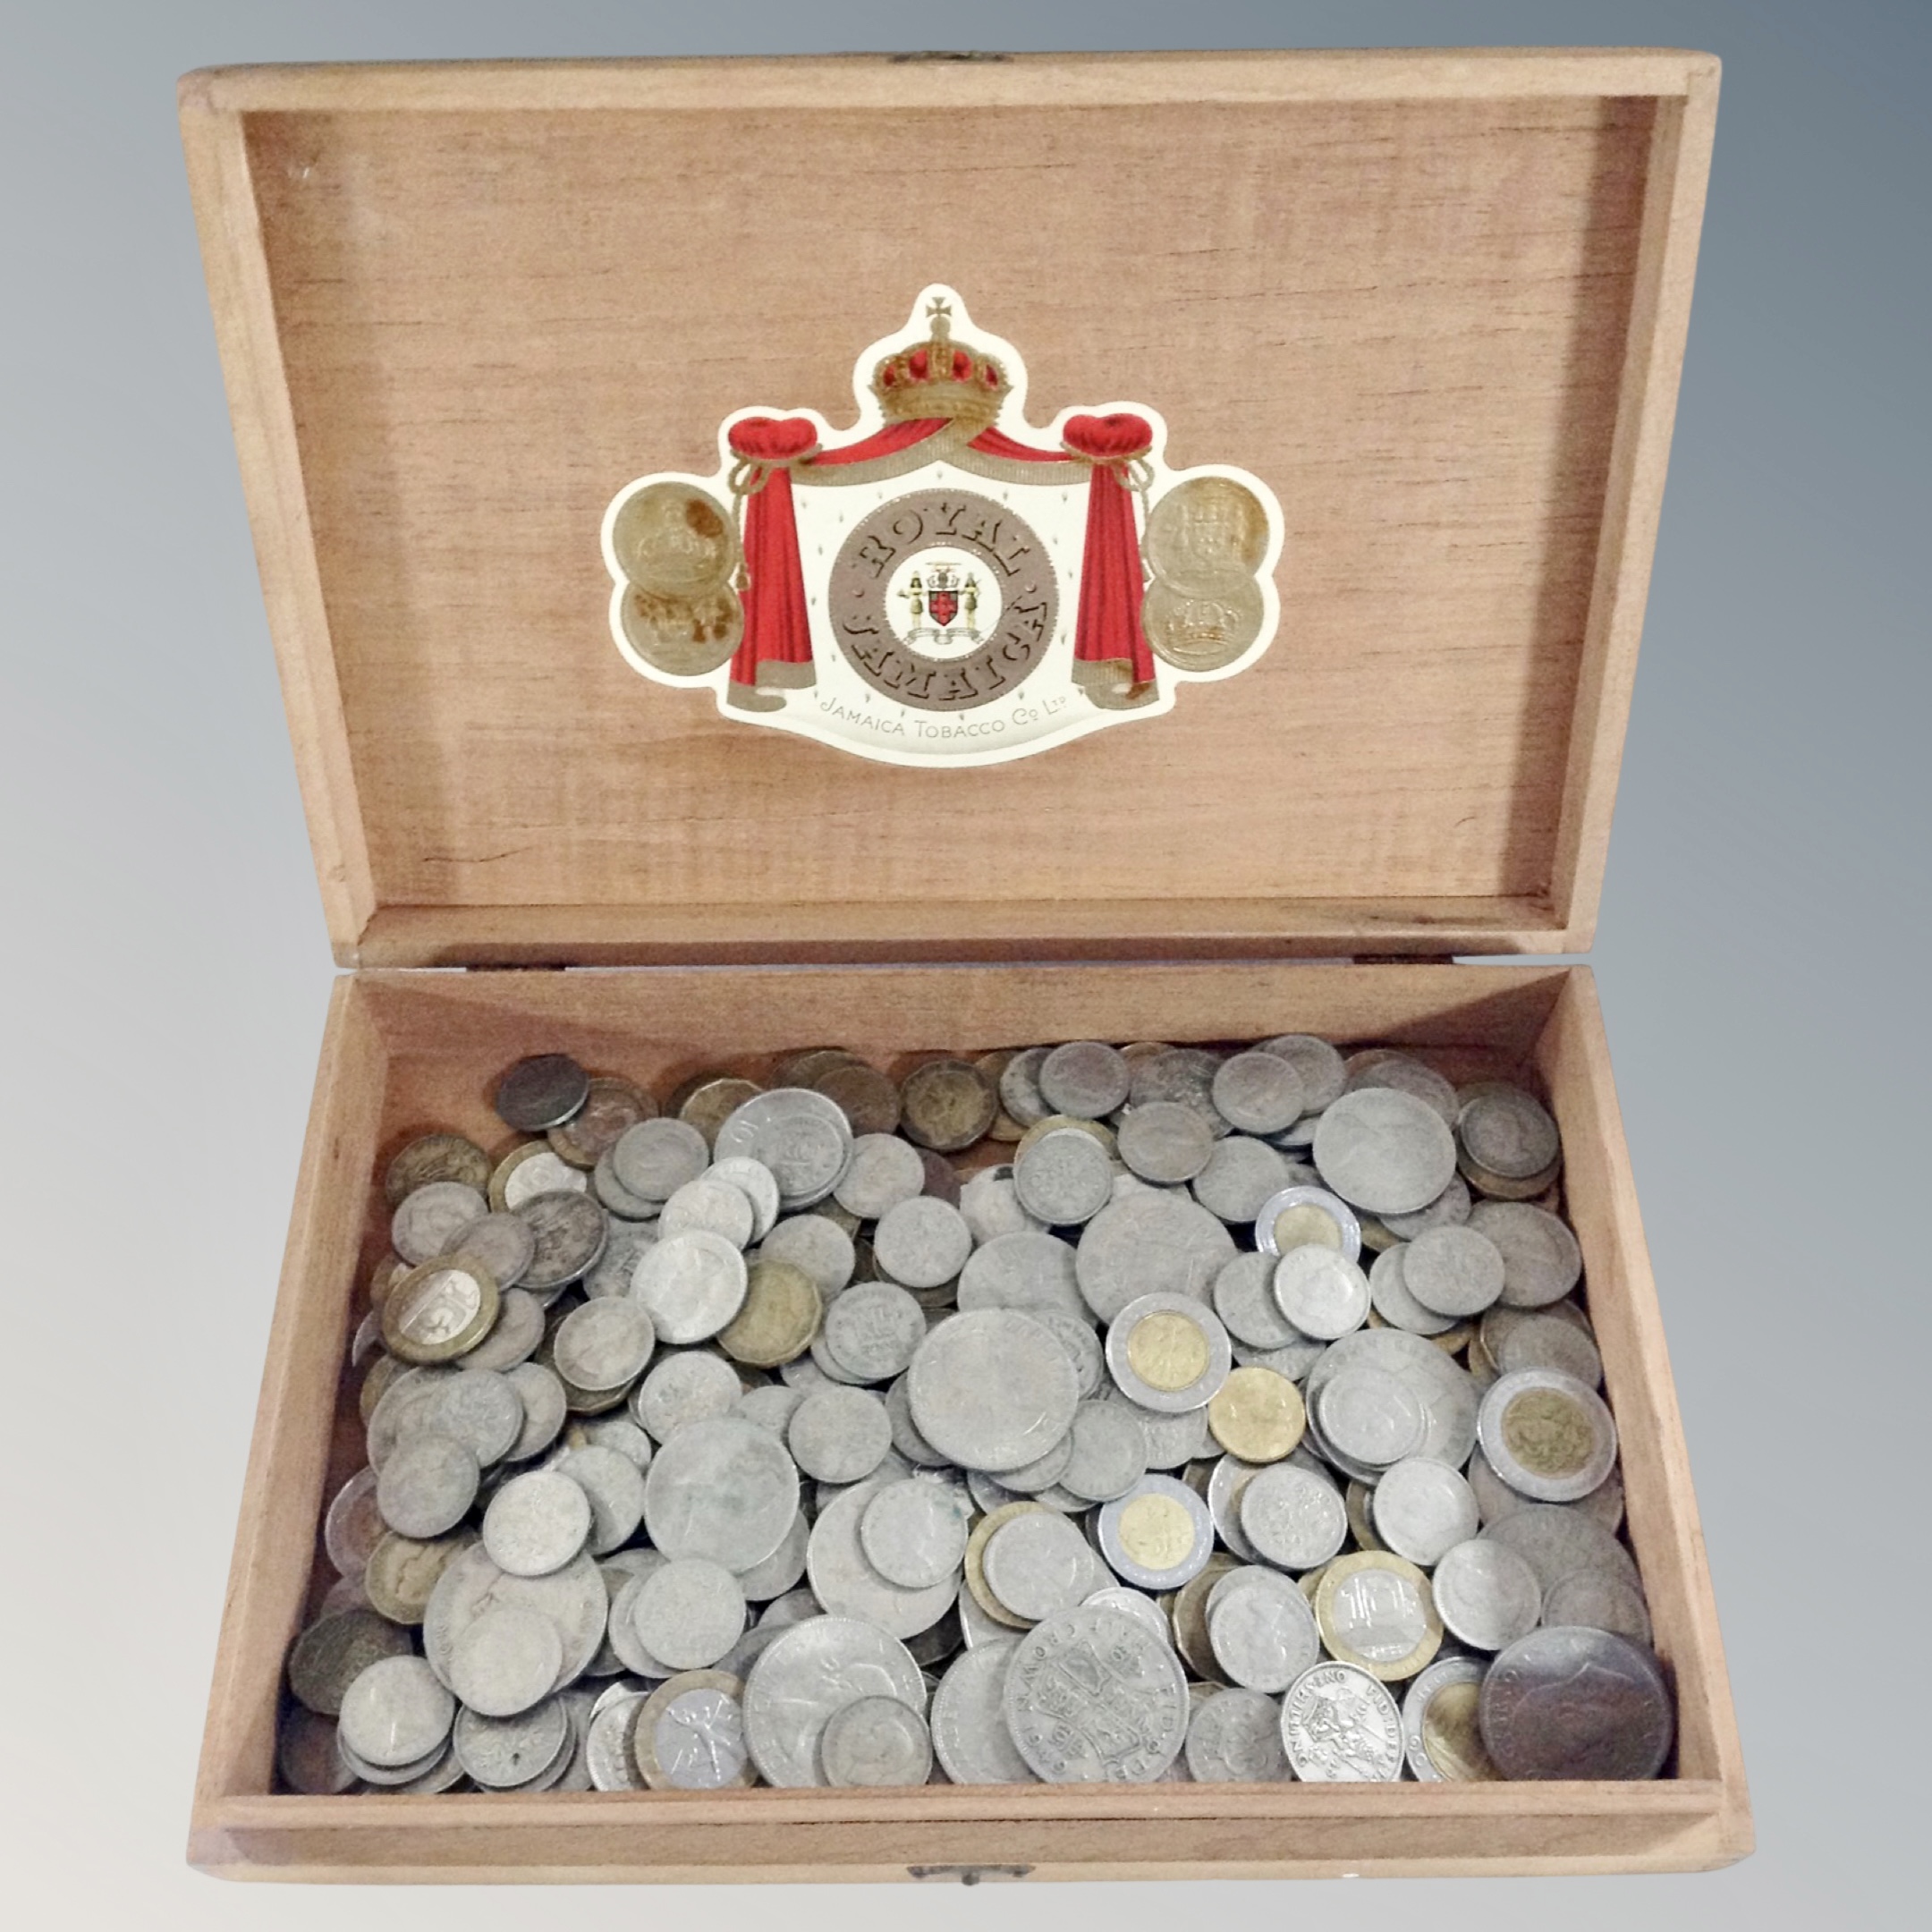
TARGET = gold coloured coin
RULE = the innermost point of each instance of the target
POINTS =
(1167, 1352)
(782, 1311)
(1453, 1737)
(1355, 1502)
(712, 1101)
(947, 1106)
(613, 1106)
(1257, 1415)
(437, 1157)
(1378, 1612)
(1550, 1433)
(869, 1098)
(684, 637)
(1157, 1532)
(675, 540)
(991, 1066)
(382, 1372)
(1189, 1615)
(1206, 534)
(1040, 1129)
(1203, 632)
(439, 1310)
(403, 1571)
(975, 1566)
(1307, 1225)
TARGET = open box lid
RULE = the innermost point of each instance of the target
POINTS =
(1435, 302)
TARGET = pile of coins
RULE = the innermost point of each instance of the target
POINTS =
(1032, 1417)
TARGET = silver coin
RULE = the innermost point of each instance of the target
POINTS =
(1075, 1334)
(502, 1242)
(1373, 1418)
(687, 1385)
(1599, 1599)
(695, 1733)
(603, 1345)
(1572, 1703)
(541, 1092)
(1168, 1352)
(1319, 1291)
(1384, 1067)
(1244, 1300)
(511, 1753)
(847, 1584)
(1385, 1150)
(1324, 1072)
(1107, 1453)
(883, 1171)
(1389, 1296)
(772, 1406)
(1064, 1178)
(1291, 1361)
(756, 1181)
(614, 1486)
(654, 1158)
(395, 1713)
(1453, 1271)
(1449, 1209)
(542, 1173)
(505, 1660)
(818, 1246)
(570, 1233)
(1085, 1080)
(1170, 1438)
(427, 1485)
(572, 1599)
(689, 1613)
(1037, 1563)
(546, 1405)
(992, 1390)
(1327, 1207)
(1486, 1594)
(1227, 1481)
(874, 1741)
(839, 1435)
(1294, 1519)
(713, 1206)
(1020, 1097)
(806, 1674)
(913, 1533)
(1548, 1341)
(991, 1206)
(1165, 1142)
(1423, 1690)
(722, 1488)
(1032, 1271)
(1541, 1261)
(921, 1243)
(625, 1642)
(1091, 1696)
(353, 1524)
(1043, 1473)
(1184, 1074)
(428, 1219)
(1557, 1540)
(803, 1138)
(1423, 1508)
(1549, 1437)
(609, 1748)
(1340, 1725)
(781, 1571)
(690, 1285)
(1508, 1132)
(1160, 1535)
(617, 1199)
(874, 1330)
(1259, 1093)
(1444, 1390)
(1136, 1603)
(1240, 1176)
(515, 1338)
(1261, 1630)
(481, 1409)
(1152, 1243)
(968, 1717)
(536, 1523)
(617, 1432)
(1233, 1737)
(907, 1441)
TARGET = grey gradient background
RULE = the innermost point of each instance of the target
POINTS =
(1763, 955)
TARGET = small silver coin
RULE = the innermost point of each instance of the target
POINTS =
(502, 1242)
(690, 1285)
(1064, 1178)
(1261, 1630)
(1293, 1519)
(518, 1332)
(684, 1386)
(689, 1612)
(1184, 1074)
(913, 1533)
(921, 1243)
(1449, 1209)
(1508, 1132)
(1278, 1216)
(1548, 1341)
(1385, 1150)
(1445, 1392)
(803, 1138)
(616, 1197)
(883, 1171)
(546, 1406)
(571, 1600)
(1158, 1536)
(991, 1206)
(722, 1488)
(541, 1172)
(1541, 1260)
(614, 1486)
(874, 1330)
(1165, 1142)
(757, 1184)
(506, 1660)
(1106, 1452)
(1599, 1599)
(427, 1485)
(1340, 1726)
(1549, 1437)
(1150, 1242)
(839, 1435)
(1423, 1508)
(992, 1390)
(609, 1745)
(1020, 1095)
(1320, 1292)
(1244, 1300)
(428, 1219)
(1324, 1072)
(1234, 1738)
(874, 1741)
(969, 1716)
(818, 1246)
(1423, 1690)
(510, 1753)
(782, 1570)
(1453, 1271)
(811, 1671)
(1092, 1696)
(656, 1157)
(603, 1345)
(571, 1230)
(1389, 1296)
(713, 1206)
(1241, 1175)
(1371, 1417)
(395, 1713)
(1037, 1563)
(846, 1583)
(536, 1523)
(1259, 1093)
(541, 1092)
(1572, 1703)
(1086, 1079)
(1486, 1594)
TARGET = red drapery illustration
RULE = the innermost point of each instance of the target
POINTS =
(1110, 649)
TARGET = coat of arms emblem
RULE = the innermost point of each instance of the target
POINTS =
(944, 584)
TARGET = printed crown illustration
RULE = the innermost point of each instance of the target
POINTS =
(940, 379)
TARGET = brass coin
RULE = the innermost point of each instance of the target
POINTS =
(1157, 1532)
(1500, 1187)
(613, 1106)
(712, 1101)
(439, 1310)
(1167, 1350)
(976, 1582)
(802, 1069)
(1377, 1612)
(403, 1571)
(1453, 1737)
(1257, 1415)
(1549, 1433)
(1206, 534)
(437, 1157)
(870, 1099)
(1300, 1227)
(1202, 632)
(782, 1311)
(947, 1105)
(675, 540)
(1189, 1618)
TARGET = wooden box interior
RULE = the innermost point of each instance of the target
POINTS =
(407, 1050)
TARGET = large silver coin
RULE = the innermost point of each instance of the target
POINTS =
(1032, 1271)
(1240, 1176)
(1340, 1726)
(806, 1674)
(722, 1488)
(396, 1712)
(1385, 1150)
(1234, 1738)
(847, 1584)
(656, 1157)
(1152, 1243)
(1572, 1703)
(1486, 1594)
(1541, 1261)
(803, 1138)
(968, 1717)
(992, 1390)
(690, 1285)
(1093, 1697)
(1323, 1071)
(1384, 1066)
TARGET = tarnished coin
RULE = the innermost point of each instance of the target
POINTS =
(1453, 1271)
(546, 1404)
(541, 1092)
(874, 1741)
(1158, 1536)
(1256, 1415)
(1259, 1093)
(427, 1485)
(1293, 1518)
(968, 1717)
(505, 1244)
(1064, 1179)
(713, 1206)
(1599, 1599)
(1241, 1175)
(782, 1311)
(610, 1106)
(806, 1674)
(1093, 1697)
(1376, 1611)
(692, 1285)
(1572, 1703)
(655, 1158)
(1548, 1436)
(1206, 535)
(1541, 1261)
(1387, 1067)
(873, 1330)
(513, 1753)
(1339, 1725)
(1244, 1300)
(913, 1533)
(427, 1219)
(1441, 1736)
(1508, 1132)
(1020, 1097)
(883, 1171)
(947, 1105)
(1086, 1079)
(505, 1660)
(921, 1243)
(1234, 1738)
(1486, 1594)
(616, 1198)
(1108, 1453)
(865, 1096)
(689, 1612)
(1166, 1141)
(1299, 1216)
(1168, 1352)
(307, 1757)
(1320, 1292)
(1385, 1150)
(1150, 1242)
(570, 1232)
(572, 1600)
(722, 1488)
(402, 1572)
(396, 1712)
(710, 1099)
(603, 1345)
(992, 1390)
(689, 1734)
(334, 1650)
(839, 1435)
(687, 1385)
(530, 1170)
(1423, 1508)
(432, 1158)
(536, 1523)
(1556, 1539)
